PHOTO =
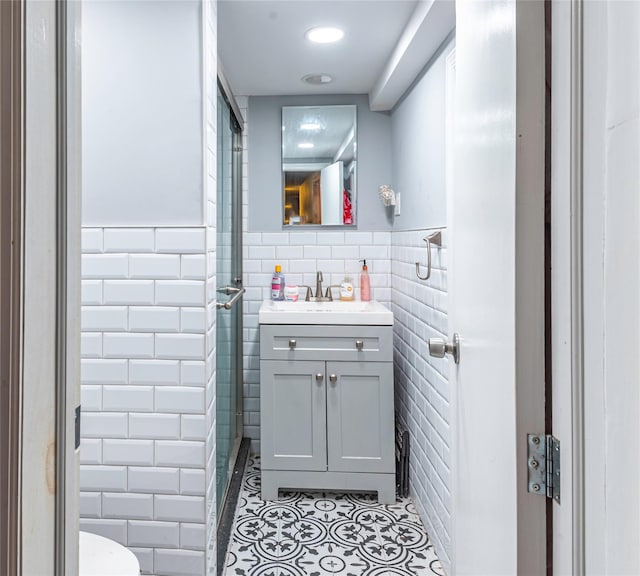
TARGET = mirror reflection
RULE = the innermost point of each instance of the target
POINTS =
(319, 165)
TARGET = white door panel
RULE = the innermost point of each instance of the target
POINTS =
(496, 286)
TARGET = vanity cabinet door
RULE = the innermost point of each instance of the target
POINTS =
(360, 417)
(293, 415)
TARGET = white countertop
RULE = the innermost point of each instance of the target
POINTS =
(354, 313)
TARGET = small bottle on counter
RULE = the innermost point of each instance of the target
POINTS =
(277, 284)
(291, 293)
(346, 289)
(365, 283)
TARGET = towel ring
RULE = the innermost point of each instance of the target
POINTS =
(435, 238)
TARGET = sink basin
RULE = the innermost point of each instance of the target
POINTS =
(337, 312)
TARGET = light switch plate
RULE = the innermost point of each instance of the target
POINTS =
(396, 212)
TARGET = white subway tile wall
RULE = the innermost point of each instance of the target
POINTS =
(421, 382)
(143, 371)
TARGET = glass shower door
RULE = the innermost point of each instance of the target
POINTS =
(229, 297)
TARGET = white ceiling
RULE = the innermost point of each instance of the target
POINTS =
(263, 51)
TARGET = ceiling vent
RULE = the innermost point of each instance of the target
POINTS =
(317, 79)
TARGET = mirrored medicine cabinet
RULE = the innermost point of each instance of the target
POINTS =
(319, 161)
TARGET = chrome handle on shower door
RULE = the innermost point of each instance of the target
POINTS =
(438, 347)
(237, 294)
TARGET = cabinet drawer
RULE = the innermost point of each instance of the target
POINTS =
(300, 342)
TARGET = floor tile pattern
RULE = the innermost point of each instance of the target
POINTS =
(324, 533)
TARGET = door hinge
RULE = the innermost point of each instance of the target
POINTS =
(543, 465)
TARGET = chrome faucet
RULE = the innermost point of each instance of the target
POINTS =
(318, 284)
(328, 297)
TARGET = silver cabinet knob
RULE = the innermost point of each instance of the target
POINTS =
(438, 347)
(292, 343)
(319, 376)
(359, 344)
(333, 378)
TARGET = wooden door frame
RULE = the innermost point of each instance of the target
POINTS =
(11, 246)
(567, 284)
(39, 288)
(39, 306)
(69, 96)
(588, 179)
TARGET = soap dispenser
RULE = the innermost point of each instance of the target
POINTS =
(346, 289)
(365, 283)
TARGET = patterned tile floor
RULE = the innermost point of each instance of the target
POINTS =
(323, 533)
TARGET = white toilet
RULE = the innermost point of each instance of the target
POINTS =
(100, 556)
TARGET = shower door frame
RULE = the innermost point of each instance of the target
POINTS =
(237, 122)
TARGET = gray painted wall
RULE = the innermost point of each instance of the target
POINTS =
(264, 152)
(418, 139)
(142, 113)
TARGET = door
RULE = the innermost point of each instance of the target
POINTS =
(360, 417)
(331, 187)
(293, 421)
(229, 297)
(496, 239)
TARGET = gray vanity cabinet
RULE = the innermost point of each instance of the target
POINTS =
(326, 409)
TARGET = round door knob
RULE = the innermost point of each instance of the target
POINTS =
(319, 376)
(333, 378)
(438, 347)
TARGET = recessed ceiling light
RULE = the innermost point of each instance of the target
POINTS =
(324, 35)
(310, 126)
(305, 145)
(317, 79)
